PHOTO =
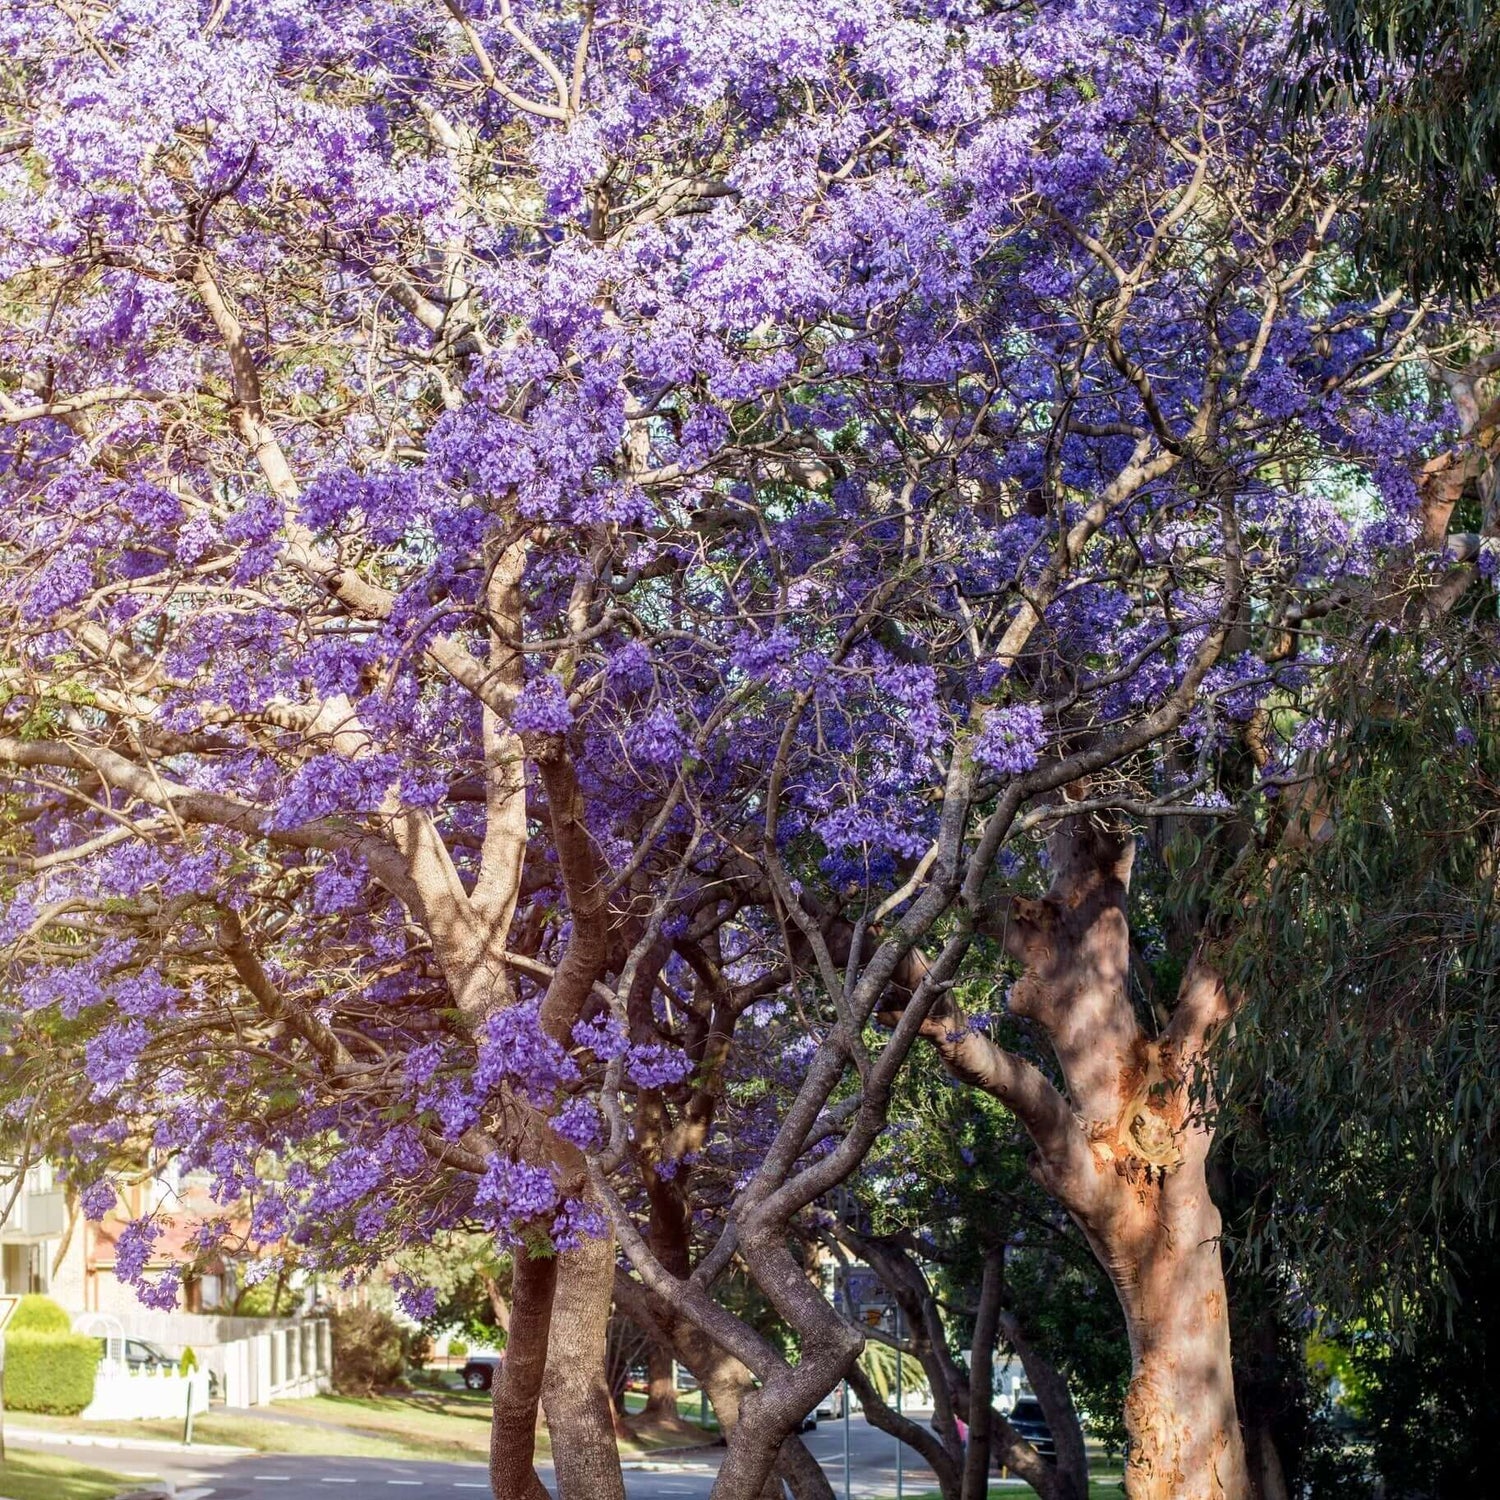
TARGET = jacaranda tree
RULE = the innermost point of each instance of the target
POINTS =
(534, 533)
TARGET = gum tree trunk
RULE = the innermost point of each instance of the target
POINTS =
(1162, 1252)
(1125, 1150)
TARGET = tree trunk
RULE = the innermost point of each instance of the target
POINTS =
(518, 1384)
(1185, 1441)
(661, 1385)
(976, 1474)
(575, 1391)
(1071, 1466)
(1125, 1151)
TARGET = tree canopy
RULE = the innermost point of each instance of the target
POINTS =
(560, 562)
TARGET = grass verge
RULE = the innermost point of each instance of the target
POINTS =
(40, 1476)
(266, 1435)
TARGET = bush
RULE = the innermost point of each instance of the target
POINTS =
(457, 1349)
(368, 1351)
(35, 1314)
(188, 1363)
(266, 1300)
(50, 1372)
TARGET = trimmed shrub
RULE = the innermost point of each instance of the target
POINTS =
(368, 1351)
(50, 1372)
(457, 1349)
(36, 1314)
(189, 1361)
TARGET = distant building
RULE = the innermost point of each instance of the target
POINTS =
(46, 1245)
(31, 1233)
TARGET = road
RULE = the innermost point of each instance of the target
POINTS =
(204, 1475)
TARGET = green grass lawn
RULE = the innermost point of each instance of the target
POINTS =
(689, 1408)
(426, 1423)
(444, 1415)
(454, 1420)
(264, 1435)
(37, 1476)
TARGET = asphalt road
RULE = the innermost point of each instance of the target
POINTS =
(204, 1475)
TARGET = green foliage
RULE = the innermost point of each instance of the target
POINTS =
(457, 1349)
(956, 1172)
(49, 1372)
(369, 1351)
(1432, 150)
(1363, 1087)
(467, 1274)
(1430, 1403)
(1329, 1361)
(188, 1363)
(267, 1299)
(878, 1361)
(38, 1314)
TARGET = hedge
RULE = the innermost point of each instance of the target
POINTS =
(50, 1372)
(36, 1314)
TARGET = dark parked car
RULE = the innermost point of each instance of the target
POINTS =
(1030, 1422)
(479, 1371)
(142, 1354)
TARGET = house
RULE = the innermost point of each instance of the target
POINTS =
(31, 1233)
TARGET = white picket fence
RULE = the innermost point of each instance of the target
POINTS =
(295, 1359)
(125, 1395)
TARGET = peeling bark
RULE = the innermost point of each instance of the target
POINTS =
(1125, 1151)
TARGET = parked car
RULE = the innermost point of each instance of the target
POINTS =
(1028, 1419)
(479, 1371)
(142, 1354)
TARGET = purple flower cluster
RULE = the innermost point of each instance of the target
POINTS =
(1010, 739)
(542, 708)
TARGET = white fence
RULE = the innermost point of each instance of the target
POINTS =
(286, 1362)
(287, 1359)
(122, 1395)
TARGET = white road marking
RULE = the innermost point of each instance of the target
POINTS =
(326, 1480)
(273, 1478)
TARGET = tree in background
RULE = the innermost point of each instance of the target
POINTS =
(1430, 73)
(983, 1265)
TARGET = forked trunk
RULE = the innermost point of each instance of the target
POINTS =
(1125, 1150)
(575, 1389)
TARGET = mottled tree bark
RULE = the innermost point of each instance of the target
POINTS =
(1125, 1151)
